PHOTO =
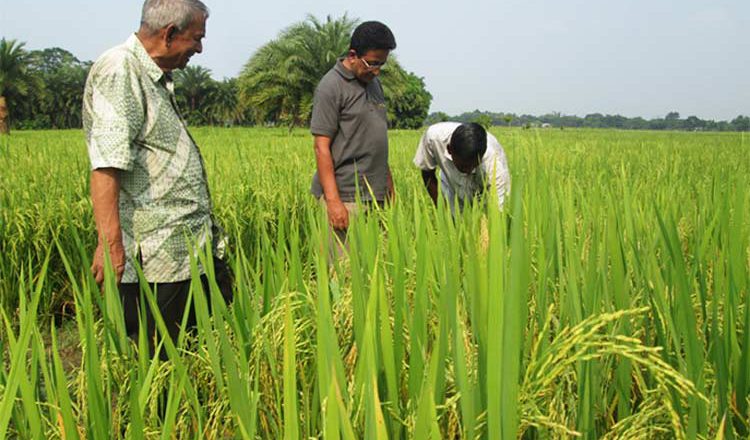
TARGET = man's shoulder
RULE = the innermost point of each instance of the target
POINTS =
(117, 60)
(493, 154)
(493, 144)
(441, 130)
(330, 80)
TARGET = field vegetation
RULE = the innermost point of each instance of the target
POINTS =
(607, 300)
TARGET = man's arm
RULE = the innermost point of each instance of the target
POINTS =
(338, 216)
(105, 197)
(429, 177)
(425, 160)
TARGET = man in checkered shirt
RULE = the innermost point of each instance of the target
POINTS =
(148, 183)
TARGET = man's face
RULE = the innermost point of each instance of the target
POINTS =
(183, 45)
(463, 165)
(368, 66)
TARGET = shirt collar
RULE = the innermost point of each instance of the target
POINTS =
(343, 71)
(152, 69)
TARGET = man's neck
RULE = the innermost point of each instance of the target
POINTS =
(153, 48)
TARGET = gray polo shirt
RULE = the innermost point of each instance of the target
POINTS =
(353, 115)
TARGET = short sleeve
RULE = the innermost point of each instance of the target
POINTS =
(424, 158)
(116, 112)
(326, 109)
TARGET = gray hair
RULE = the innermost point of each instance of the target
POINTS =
(158, 14)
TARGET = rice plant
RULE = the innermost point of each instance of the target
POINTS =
(608, 299)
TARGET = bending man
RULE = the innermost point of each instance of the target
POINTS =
(469, 158)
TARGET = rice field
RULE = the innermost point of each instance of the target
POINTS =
(607, 300)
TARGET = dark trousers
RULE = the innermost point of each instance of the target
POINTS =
(171, 299)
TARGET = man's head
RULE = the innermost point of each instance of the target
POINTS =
(370, 45)
(467, 146)
(173, 31)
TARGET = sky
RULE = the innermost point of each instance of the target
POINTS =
(629, 57)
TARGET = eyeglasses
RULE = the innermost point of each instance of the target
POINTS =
(373, 66)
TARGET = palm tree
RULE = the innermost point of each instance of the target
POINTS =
(222, 107)
(193, 84)
(14, 77)
(279, 80)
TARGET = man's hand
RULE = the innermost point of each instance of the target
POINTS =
(116, 257)
(338, 216)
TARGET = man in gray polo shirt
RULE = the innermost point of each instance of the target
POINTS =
(351, 129)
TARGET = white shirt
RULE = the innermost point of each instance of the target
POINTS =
(433, 153)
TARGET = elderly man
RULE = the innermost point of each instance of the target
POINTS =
(148, 185)
(469, 158)
(350, 128)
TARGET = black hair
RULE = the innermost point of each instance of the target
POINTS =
(372, 35)
(469, 142)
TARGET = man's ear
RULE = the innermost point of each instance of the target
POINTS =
(449, 148)
(170, 33)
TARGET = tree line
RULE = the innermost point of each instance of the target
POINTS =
(671, 121)
(43, 89)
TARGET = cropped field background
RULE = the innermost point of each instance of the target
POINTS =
(608, 300)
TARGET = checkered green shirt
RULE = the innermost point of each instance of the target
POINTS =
(132, 124)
